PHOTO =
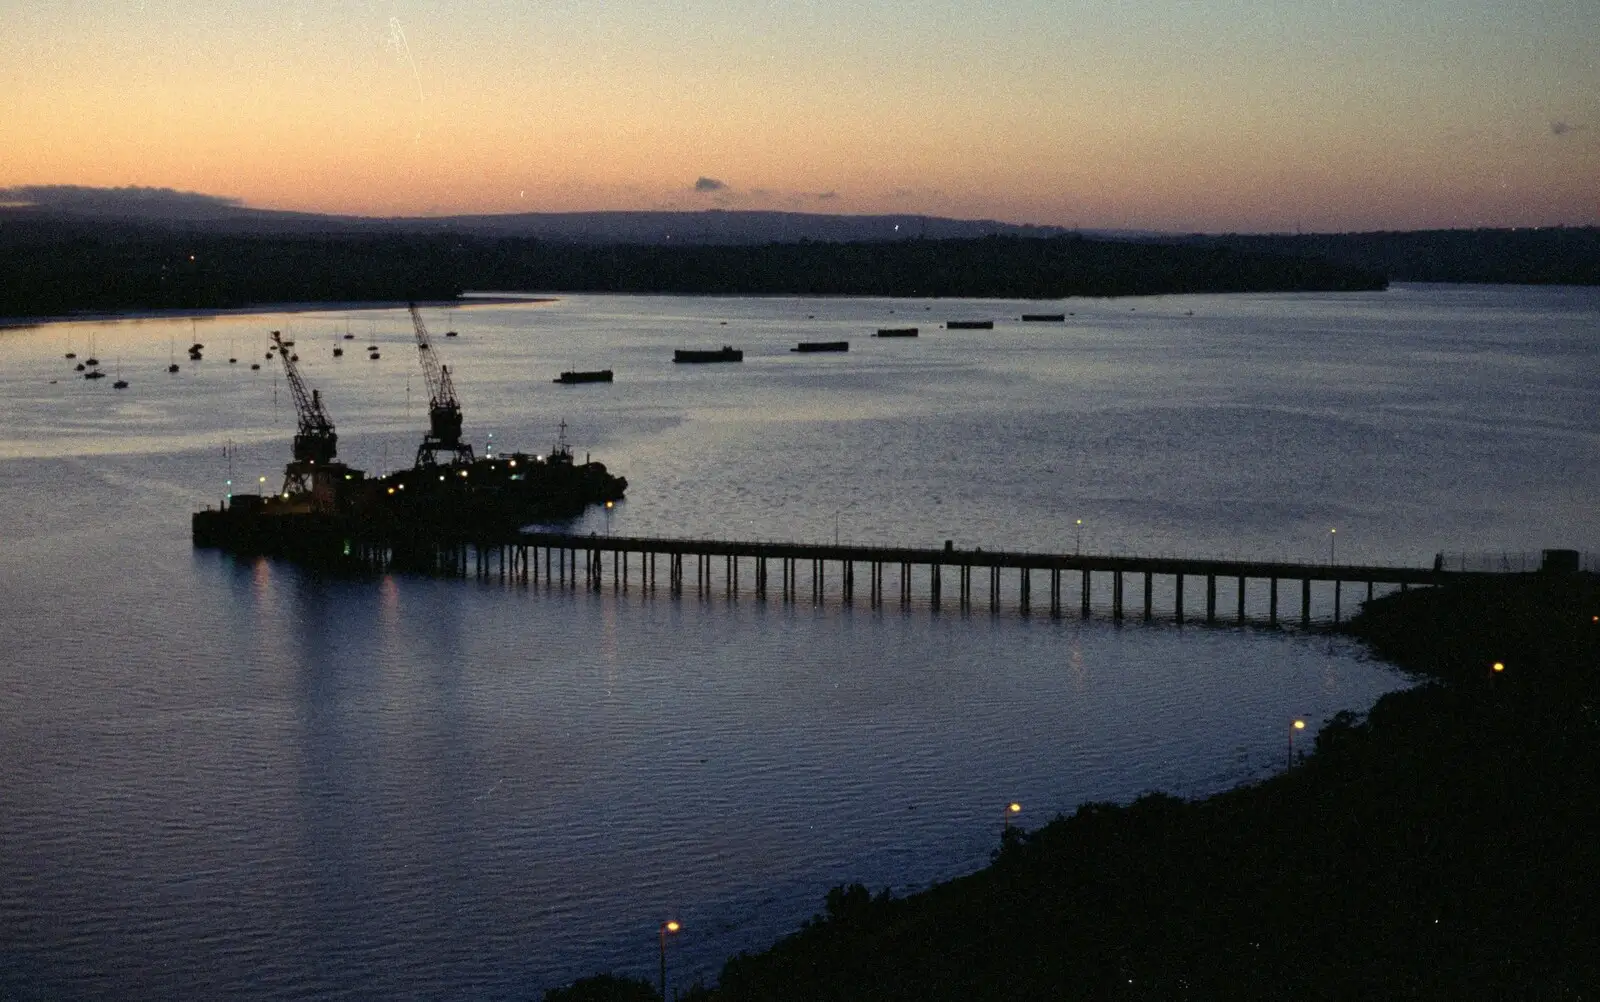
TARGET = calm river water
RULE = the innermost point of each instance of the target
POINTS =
(230, 777)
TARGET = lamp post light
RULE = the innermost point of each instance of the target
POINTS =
(608, 517)
(1078, 548)
(1298, 725)
(1012, 809)
(671, 925)
(1333, 534)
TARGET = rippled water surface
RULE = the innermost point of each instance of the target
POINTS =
(224, 776)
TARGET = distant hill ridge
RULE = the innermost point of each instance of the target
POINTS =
(50, 265)
(191, 211)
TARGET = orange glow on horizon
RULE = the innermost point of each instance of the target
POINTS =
(1138, 118)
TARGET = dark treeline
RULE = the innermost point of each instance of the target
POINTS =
(1443, 847)
(50, 266)
(1548, 256)
(998, 267)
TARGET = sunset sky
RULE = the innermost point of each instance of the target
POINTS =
(1210, 115)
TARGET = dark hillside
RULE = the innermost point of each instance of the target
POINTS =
(54, 265)
(1444, 847)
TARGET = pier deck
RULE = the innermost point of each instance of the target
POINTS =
(915, 572)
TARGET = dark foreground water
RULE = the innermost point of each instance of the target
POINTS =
(224, 777)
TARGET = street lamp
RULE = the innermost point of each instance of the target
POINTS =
(1079, 547)
(1332, 535)
(1011, 809)
(1298, 725)
(608, 517)
(671, 925)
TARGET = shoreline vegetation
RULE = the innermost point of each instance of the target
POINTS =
(1446, 844)
(105, 316)
(53, 266)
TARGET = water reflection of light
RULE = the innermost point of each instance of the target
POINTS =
(389, 599)
(608, 645)
(261, 577)
(1077, 669)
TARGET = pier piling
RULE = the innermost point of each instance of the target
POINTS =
(514, 558)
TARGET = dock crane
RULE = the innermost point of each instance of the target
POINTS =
(316, 445)
(444, 411)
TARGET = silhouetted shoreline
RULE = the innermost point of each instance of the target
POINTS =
(1441, 846)
(99, 316)
(53, 266)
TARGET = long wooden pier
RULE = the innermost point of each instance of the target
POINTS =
(975, 576)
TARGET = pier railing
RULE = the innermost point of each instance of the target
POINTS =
(820, 571)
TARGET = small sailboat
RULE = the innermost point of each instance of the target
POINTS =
(120, 384)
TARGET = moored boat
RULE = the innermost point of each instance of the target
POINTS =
(808, 346)
(969, 325)
(726, 353)
(588, 376)
(896, 332)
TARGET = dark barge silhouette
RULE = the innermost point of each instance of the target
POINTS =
(585, 376)
(724, 354)
(327, 510)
